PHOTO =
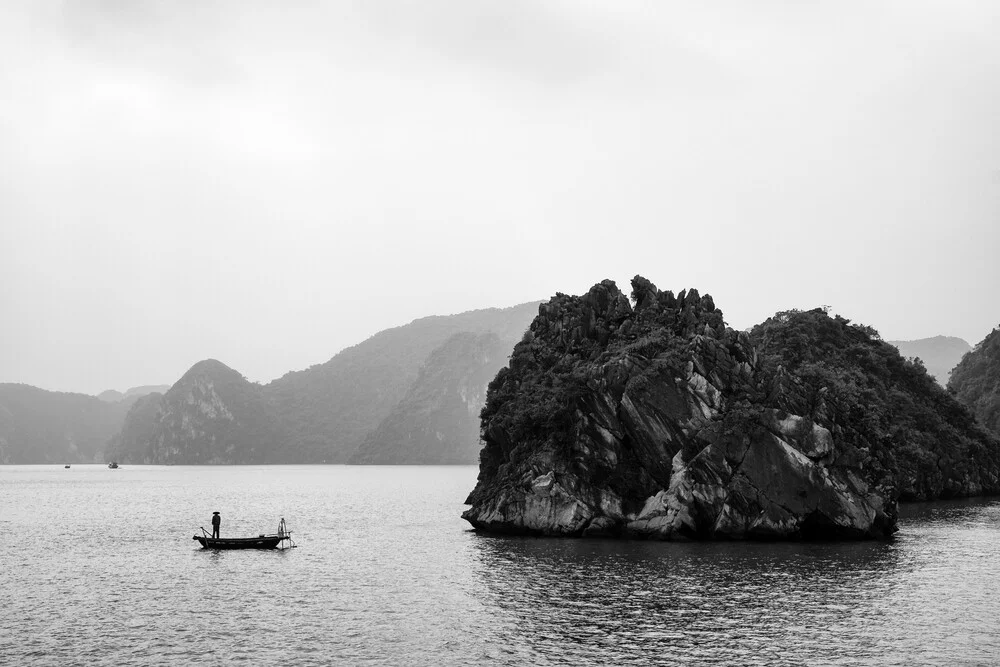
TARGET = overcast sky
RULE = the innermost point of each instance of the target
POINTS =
(267, 183)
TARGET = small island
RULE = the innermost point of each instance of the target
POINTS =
(648, 417)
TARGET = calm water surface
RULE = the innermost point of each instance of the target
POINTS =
(97, 567)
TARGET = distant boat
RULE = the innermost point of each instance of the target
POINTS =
(65, 466)
(276, 541)
(113, 464)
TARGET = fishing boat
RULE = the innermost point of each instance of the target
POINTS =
(280, 540)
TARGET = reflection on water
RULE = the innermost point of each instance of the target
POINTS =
(740, 602)
(100, 569)
(929, 597)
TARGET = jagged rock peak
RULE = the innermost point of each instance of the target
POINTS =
(655, 420)
(604, 317)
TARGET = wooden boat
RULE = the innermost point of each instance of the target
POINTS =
(275, 541)
(259, 542)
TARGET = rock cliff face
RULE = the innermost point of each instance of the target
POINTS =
(658, 421)
(437, 422)
(211, 415)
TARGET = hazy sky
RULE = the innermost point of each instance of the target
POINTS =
(267, 183)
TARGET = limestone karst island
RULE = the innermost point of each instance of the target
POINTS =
(648, 417)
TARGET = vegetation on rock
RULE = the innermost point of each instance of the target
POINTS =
(975, 382)
(844, 376)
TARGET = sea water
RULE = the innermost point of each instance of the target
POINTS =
(97, 567)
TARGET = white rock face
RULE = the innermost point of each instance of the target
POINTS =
(542, 484)
(773, 490)
(549, 511)
(814, 440)
(207, 401)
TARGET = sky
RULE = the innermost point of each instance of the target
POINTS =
(267, 183)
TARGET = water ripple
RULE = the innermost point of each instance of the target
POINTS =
(102, 571)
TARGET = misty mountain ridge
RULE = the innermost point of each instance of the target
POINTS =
(323, 413)
(211, 415)
(328, 409)
(939, 354)
(39, 426)
(408, 394)
(437, 422)
(131, 394)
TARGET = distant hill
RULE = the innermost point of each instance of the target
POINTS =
(39, 426)
(131, 395)
(138, 392)
(134, 443)
(939, 354)
(437, 422)
(321, 414)
(211, 415)
(328, 409)
(975, 382)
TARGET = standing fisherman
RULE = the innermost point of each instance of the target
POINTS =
(216, 520)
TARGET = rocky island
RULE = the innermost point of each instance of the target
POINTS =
(650, 418)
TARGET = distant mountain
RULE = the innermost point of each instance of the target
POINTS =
(212, 415)
(975, 382)
(134, 443)
(38, 426)
(939, 354)
(145, 390)
(322, 414)
(130, 395)
(437, 422)
(328, 409)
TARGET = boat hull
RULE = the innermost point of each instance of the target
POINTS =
(266, 542)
